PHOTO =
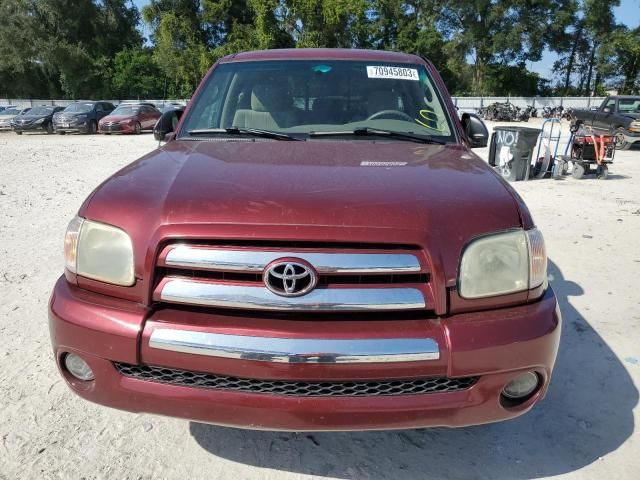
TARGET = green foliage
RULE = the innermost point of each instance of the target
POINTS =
(625, 50)
(513, 80)
(136, 75)
(93, 48)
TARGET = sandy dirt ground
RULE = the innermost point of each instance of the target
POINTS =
(585, 428)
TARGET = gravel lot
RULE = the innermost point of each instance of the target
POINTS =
(584, 429)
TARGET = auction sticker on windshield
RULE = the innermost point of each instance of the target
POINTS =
(397, 73)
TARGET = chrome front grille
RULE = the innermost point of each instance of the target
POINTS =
(294, 387)
(348, 280)
(256, 261)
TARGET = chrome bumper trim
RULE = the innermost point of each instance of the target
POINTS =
(256, 261)
(319, 300)
(295, 350)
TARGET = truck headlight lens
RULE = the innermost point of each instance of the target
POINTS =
(503, 263)
(99, 251)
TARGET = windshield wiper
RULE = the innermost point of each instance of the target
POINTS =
(257, 132)
(364, 131)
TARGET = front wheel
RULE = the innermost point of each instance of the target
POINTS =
(49, 128)
(559, 168)
(578, 171)
(92, 128)
(602, 172)
(575, 126)
(621, 143)
(18, 133)
(137, 128)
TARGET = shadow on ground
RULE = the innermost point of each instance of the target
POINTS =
(586, 414)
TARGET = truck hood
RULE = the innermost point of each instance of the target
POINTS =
(435, 196)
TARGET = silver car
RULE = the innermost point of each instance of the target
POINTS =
(7, 115)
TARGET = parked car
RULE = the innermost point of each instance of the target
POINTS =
(7, 116)
(81, 117)
(316, 247)
(172, 106)
(130, 118)
(617, 115)
(36, 119)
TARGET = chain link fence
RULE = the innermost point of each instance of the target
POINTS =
(32, 102)
(476, 103)
(463, 103)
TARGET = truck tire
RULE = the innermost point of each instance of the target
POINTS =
(559, 168)
(602, 172)
(578, 171)
(621, 144)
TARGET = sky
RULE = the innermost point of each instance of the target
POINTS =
(628, 13)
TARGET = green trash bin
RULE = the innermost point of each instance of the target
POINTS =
(511, 151)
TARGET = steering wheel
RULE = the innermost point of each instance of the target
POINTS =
(393, 113)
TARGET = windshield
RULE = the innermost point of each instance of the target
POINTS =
(126, 110)
(303, 97)
(629, 105)
(79, 108)
(41, 110)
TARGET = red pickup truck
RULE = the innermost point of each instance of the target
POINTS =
(315, 247)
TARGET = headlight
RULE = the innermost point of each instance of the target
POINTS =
(128, 120)
(503, 263)
(634, 127)
(99, 251)
(40, 120)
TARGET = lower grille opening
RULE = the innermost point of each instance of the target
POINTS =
(293, 387)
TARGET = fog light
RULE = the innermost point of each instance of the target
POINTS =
(521, 386)
(78, 367)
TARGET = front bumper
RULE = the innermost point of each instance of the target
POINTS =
(631, 136)
(33, 127)
(115, 128)
(493, 345)
(80, 126)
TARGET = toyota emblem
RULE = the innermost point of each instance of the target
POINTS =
(290, 278)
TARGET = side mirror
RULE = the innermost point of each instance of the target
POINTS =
(475, 130)
(166, 124)
(606, 110)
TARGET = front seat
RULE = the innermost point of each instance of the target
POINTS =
(271, 109)
(380, 100)
(328, 110)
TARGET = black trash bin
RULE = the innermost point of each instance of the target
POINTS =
(511, 151)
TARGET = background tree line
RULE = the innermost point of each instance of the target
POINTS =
(94, 48)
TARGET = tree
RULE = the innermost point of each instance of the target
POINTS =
(326, 23)
(498, 31)
(56, 52)
(136, 75)
(415, 27)
(625, 50)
